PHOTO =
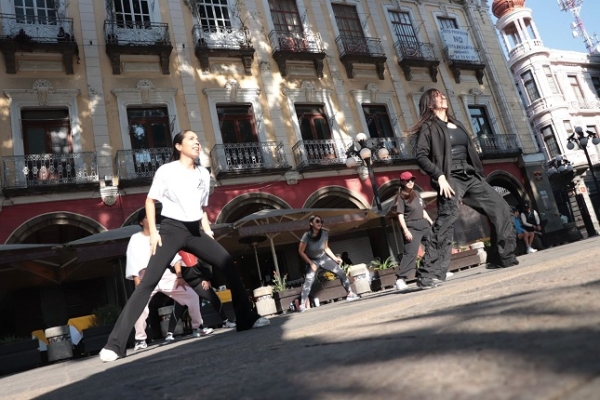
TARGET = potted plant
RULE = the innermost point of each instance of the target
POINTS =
(18, 354)
(96, 336)
(281, 294)
(384, 273)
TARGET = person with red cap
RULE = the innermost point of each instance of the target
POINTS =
(447, 153)
(415, 223)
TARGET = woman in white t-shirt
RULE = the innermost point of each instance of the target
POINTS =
(183, 188)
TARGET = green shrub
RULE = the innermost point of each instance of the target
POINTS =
(106, 315)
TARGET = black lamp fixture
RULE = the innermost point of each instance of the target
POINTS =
(364, 156)
(582, 140)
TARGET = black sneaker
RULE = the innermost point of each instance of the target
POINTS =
(426, 283)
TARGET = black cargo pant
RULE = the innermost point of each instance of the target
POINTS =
(420, 231)
(475, 192)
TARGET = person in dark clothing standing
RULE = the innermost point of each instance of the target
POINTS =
(445, 151)
(415, 223)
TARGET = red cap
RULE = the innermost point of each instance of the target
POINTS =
(406, 176)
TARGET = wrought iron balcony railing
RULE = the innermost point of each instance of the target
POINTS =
(141, 163)
(248, 157)
(327, 152)
(400, 148)
(352, 45)
(136, 33)
(414, 51)
(295, 42)
(498, 144)
(221, 37)
(31, 28)
(49, 170)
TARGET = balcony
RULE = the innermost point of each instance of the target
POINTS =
(37, 34)
(545, 104)
(415, 54)
(582, 105)
(527, 48)
(137, 167)
(234, 159)
(318, 154)
(465, 61)
(361, 50)
(137, 38)
(46, 173)
(298, 47)
(498, 146)
(401, 149)
(219, 41)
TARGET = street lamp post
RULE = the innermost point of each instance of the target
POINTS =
(365, 153)
(559, 165)
(582, 140)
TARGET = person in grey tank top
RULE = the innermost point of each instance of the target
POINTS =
(314, 249)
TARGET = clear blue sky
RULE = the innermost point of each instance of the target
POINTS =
(554, 25)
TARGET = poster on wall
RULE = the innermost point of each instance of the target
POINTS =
(459, 46)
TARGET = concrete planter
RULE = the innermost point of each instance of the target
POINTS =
(359, 274)
(383, 279)
(265, 305)
(59, 343)
(284, 298)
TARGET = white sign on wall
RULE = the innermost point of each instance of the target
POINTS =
(459, 45)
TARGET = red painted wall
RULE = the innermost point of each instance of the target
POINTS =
(110, 217)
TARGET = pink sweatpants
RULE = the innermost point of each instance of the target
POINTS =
(183, 295)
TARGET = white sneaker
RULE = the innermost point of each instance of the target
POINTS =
(531, 250)
(302, 308)
(261, 322)
(229, 324)
(140, 345)
(449, 274)
(352, 296)
(108, 355)
(169, 338)
(400, 284)
(202, 332)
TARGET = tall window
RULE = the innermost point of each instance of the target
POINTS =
(348, 21)
(378, 121)
(313, 122)
(576, 88)
(480, 121)
(596, 83)
(149, 128)
(530, 86)
(29, 11)
(132, 13)
(46, 131)
(403, 28)
(286, 17)
(447, 23)
(237, 124)
(213, 13)
(551, 81)
(550, 141)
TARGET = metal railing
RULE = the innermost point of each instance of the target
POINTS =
(352, 45)
(525, 47)
(49, 169)
(221, 37)
(498, 144)
(136, 33)
(319, 152)
(295, 42)
(249, 156)
(399, 148)
(414, 51)
(141, 163)
(36, 29)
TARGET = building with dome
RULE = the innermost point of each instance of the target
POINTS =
(560, 91)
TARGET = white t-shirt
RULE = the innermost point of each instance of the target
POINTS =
(138, 255)
(182, 192)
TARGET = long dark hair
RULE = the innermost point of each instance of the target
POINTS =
(178, 139)
(425, 111)
(310, 232)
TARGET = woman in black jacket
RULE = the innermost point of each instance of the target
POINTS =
(446, 152)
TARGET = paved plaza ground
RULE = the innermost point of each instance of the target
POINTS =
(527, 332)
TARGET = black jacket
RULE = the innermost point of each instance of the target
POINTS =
(434, 151)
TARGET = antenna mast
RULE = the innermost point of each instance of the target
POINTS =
(574, 6)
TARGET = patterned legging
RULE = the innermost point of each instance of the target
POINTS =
(327, 263)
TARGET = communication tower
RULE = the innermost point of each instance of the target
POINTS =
(574, 6)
